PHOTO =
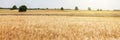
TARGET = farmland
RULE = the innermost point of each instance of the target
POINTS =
(66, 13)
(71, 25)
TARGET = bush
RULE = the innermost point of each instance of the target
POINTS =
(62, 8)
(14, 7)
(89, 8)
(76, 8)
(47, 8)
(99, 9)
(23, 8)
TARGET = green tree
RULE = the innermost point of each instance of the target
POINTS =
(23, 8)
(62, 8)
(14, 7)
(100, 9)
(89, 8)
(47, 8)
(76, 8)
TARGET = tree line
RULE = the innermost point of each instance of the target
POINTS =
(23, 8)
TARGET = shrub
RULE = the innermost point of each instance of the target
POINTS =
(99, 9)
(62, 8)
(116, 10)
(76, 8)
(23, 8)
(89, 8)
(47, 8)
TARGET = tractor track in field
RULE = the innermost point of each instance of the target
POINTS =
(58, 15)
(39, 15)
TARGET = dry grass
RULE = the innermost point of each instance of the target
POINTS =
(59, 28)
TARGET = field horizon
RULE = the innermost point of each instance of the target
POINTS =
(82, 13)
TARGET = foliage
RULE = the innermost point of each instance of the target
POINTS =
(14, 7)
(89, 8)
(23, 8)
(99, 9)
(76, 8)
(62, 8)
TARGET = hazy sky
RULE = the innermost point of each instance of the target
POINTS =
(82, 4)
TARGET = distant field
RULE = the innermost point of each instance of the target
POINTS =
(60, 27)
(67, 12)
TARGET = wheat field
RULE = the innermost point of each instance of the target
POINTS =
(60, 27)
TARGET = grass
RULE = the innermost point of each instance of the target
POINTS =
(58, 27)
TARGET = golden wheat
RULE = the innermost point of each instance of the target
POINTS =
(59, 27)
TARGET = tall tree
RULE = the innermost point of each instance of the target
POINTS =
(23, 8)
(62, 8)
(14, 7)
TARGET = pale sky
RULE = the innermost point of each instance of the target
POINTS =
(82, 4)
